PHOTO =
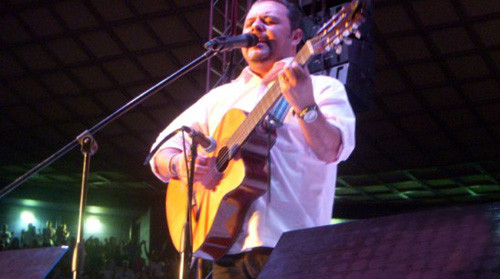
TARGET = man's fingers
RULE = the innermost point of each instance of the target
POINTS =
(200, 170)
(283, 82)
(289, 74)
(201, 160)
(299, 71)
(294, 73)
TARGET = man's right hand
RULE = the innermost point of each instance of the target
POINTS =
(179, 167)
(170, 163)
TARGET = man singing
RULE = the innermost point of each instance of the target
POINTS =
(316, 134)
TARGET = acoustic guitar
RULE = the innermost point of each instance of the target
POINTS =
(238, 167)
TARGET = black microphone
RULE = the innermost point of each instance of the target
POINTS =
(208, 143)
(226, 43)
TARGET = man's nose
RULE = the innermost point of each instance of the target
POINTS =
(257, 25)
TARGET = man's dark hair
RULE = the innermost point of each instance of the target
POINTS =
(294, 14)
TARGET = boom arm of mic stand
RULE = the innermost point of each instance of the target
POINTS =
(133, 103)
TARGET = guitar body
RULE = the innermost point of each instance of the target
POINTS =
(222, 198)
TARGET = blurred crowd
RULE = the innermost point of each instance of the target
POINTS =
(106, 259)
(30, 238)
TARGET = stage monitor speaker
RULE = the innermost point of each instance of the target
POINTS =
(442, 244)
(29, 263)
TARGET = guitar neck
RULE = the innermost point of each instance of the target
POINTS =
(272, 94)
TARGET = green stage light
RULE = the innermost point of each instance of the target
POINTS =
(27, 217)
(93, 225)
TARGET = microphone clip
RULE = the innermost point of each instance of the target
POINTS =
(208, 143)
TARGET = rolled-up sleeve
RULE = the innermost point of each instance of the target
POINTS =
(195, 116)
(331, 97)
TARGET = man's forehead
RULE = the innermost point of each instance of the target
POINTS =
(267, 8)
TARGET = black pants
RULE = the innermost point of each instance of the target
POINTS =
(246, 265)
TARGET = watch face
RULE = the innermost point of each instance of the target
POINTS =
(310, 115)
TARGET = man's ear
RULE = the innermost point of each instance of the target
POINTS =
(297, 35)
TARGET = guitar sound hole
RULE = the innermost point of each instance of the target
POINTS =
(222, 159)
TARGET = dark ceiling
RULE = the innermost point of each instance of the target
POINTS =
(430, 138)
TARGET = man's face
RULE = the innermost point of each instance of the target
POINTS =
(269, 21)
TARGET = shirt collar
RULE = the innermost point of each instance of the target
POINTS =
(247, 74)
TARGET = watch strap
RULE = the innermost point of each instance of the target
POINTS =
(304, 111)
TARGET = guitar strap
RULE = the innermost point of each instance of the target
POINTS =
(269, 139)
(276, 116)
(273, 120)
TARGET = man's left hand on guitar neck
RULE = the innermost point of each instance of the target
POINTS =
(296, 86)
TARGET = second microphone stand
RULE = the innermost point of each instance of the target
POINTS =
(187, 239)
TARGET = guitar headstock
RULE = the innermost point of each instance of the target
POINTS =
(339, 28)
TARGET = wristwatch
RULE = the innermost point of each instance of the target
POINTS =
(309, 114)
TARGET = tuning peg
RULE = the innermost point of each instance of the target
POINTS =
(338, 49)
(346, 33)
(348, 41)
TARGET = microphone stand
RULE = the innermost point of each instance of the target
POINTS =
(89, 147)
(187, 238)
